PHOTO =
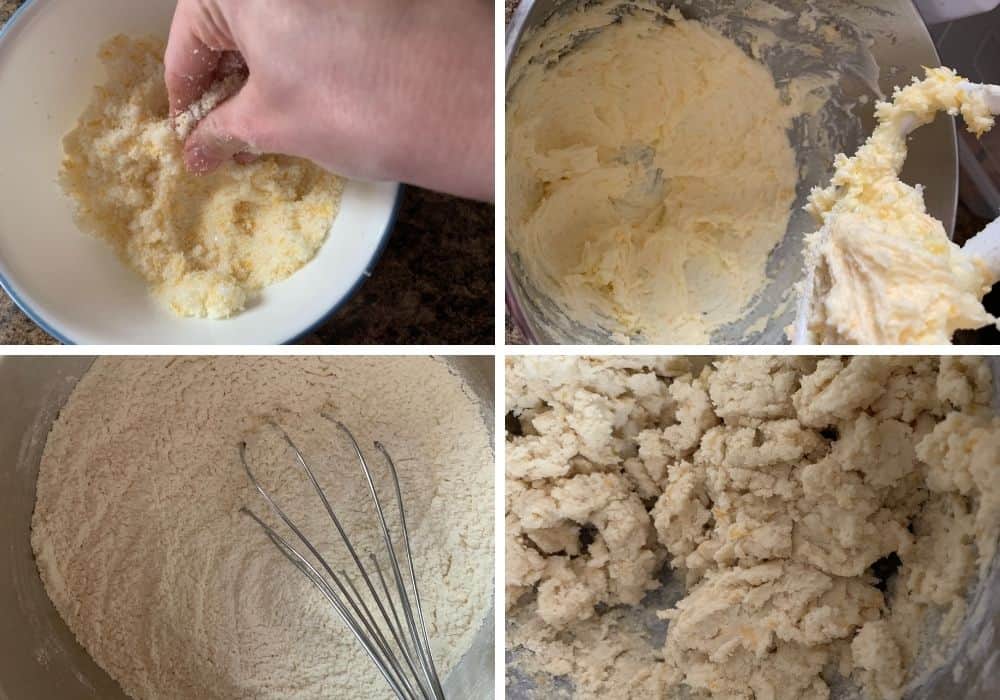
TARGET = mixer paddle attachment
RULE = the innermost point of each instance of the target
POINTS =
(394, 636)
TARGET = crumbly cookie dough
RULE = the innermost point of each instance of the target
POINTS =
(885, 271)
(818, 516)
(204, 244)
(649, 171)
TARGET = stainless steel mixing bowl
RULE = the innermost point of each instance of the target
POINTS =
(883, 44)
(971, 670)
(39, 657)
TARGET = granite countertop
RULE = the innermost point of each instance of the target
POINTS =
(433, 285)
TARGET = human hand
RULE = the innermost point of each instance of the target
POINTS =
(377, 90)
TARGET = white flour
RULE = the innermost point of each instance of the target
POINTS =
(144, 553)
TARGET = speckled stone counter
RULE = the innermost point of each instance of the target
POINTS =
(433, 285)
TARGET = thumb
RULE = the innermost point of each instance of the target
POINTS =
(222, 134)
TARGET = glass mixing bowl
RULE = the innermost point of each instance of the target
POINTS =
(879, 44)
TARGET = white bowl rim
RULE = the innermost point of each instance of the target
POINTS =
(10, 287)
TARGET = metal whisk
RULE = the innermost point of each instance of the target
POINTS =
(395, 636)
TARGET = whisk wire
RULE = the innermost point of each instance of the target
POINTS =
(347, 543)
(403, 646)
(396, 683)
(356, 602)
(410, 639)
(424, 638)
(379, 652)
(424, 655)
(358, 605)
(388, 595)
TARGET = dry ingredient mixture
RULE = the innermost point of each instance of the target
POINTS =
(783, 492)
(885, 271)
(649, 170)
(177, 595)
(204, 244)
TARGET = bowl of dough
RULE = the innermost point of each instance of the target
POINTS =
(660, 156)
(129, 570)
(106, 239)
(791, 528)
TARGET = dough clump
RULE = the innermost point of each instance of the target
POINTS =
(818, 516)
(885, 271)
(649, 171)
(204, 244)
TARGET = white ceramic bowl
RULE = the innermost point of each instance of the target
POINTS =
(72, 284)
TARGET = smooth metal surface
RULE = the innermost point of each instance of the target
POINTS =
(900, 47)
(39, 657)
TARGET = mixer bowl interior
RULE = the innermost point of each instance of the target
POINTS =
(971, 668)
(877, 46)
(39, 656)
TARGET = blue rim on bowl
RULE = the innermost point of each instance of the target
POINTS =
(369, 268)
(11, 291)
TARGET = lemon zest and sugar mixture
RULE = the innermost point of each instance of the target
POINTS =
(204, 244)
